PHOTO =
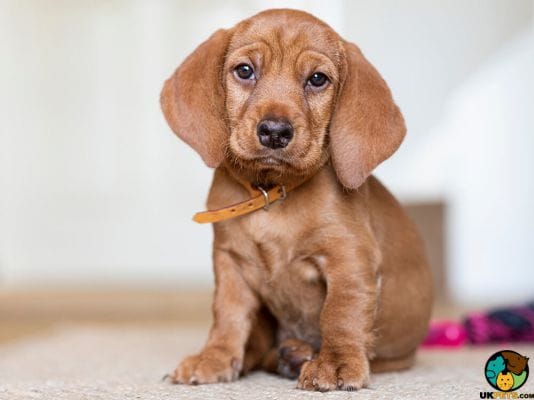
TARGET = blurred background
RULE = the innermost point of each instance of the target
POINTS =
(96, 193)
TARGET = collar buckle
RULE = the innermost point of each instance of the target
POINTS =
(265, 194)
(265, 197)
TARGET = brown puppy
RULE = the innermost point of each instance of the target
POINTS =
(333, 280)
(515, 363)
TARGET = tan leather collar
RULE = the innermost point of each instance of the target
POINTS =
(260, 198)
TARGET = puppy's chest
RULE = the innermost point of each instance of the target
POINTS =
(274, 247)
(281, 261)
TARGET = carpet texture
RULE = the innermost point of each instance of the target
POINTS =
(96, 363)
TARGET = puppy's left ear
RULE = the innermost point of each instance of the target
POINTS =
(367, 126)
(192, 99)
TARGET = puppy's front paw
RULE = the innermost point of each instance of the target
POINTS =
(329, 373)
(210, 366)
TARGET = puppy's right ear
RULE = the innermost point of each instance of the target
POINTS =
(192, 99)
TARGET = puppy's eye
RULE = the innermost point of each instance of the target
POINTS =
(318, 79)
(244, 71)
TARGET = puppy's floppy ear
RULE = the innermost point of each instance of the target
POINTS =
(192, 99)
(367, 126)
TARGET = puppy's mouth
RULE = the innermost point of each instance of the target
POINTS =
(270, 161)
(264, 167)
(263, 159)
(295, 159)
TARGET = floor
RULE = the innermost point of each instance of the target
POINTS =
(88, 361)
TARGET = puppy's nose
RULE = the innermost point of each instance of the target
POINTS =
(275, 133)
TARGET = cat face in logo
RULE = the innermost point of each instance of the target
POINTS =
(505, 381)
(515, 363)
(493, 368)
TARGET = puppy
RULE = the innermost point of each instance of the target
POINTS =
(329, 280)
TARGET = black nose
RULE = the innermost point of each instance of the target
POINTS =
(275, 133)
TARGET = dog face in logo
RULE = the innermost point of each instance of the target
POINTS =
(505, 381)
(515, 363)
(493, 368)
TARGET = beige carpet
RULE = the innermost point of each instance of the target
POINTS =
(128, 362)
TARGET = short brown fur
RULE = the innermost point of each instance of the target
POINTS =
(337, 266)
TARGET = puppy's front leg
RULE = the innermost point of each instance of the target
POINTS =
(346, 323)
(234, 305)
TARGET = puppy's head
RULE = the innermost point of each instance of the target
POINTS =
(277, 95)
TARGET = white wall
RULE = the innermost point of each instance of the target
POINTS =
(94, 187)
(485, 170)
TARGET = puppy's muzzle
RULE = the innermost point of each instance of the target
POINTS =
(274, 133)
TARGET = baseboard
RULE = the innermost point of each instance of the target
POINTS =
(123, 305)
